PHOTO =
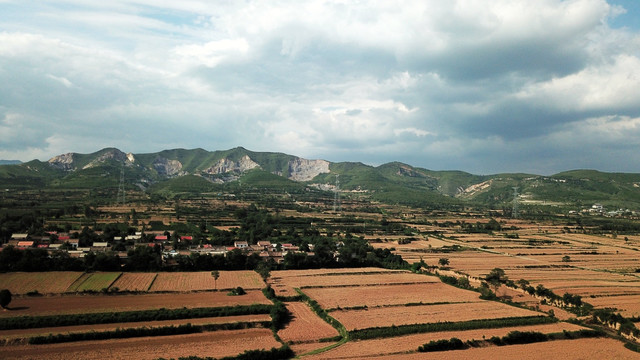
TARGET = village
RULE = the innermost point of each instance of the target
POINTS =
(169, 244)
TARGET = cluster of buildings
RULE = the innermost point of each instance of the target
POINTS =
(64, 242)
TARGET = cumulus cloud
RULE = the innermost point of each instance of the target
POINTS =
(506, 85)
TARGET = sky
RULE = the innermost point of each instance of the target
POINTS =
(483, 86)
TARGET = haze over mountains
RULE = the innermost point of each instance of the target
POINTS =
(197, 170)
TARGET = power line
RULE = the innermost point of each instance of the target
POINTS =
(121, 193)
(336, 195)
(514, 211)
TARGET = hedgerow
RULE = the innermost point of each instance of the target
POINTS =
(392, 331)
(29, 322)
(143, 331)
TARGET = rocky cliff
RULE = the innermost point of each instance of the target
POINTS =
(305, 170)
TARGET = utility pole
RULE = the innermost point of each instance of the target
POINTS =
(514, 211)
(336, 195)
(121, 192)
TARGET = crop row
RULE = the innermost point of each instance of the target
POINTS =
(142, 331)
(512, 338)
(274, 354)
(392, 331)
(28, 322)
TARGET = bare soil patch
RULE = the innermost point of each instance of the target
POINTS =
(405, 315)
(330, 298)
(409, 343)
(76, 304)
(214, 344)
(305, 326)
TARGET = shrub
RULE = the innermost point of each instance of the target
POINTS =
(443, 345)
(5, 298)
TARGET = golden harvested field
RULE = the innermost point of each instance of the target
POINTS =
(381, 295)
(405, 315)
(305, 326)
(367, 348)
(75, 304)
(194, 281)
(214, 344)
(312, 272)
(134, 281)
(284, 282)
(629, 306)
(43, 282)
(23, 333)
(579, 349)
(357, 280)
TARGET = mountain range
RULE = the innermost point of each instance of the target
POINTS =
(179, 170)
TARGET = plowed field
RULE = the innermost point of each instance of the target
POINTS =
(366, 348)
(193, 281)
(213, 344)
(579, 349)
(330, 298)
(24, 333)
(404, 315)
(134, 281)
(43, 282)
(75, 304)
(305, 326)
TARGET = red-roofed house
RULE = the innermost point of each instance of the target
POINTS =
(25, 244)
(161, 238)
(190, 238)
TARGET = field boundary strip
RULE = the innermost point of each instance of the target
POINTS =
(29, 322)
(324, 315)
(79, 281)
(151, 283)
(114, 280)
(399, 330)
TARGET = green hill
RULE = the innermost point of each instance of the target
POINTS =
(192, 171)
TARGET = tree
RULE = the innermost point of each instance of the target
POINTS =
(566, 258)
(495, 278)
(264, 270)
(5, 298)
(443, 261)
(216, 275)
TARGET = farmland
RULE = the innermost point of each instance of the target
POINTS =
(375, 281)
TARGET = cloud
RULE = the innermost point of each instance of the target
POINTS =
(480, 86)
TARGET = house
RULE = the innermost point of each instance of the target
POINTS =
(161, 238)
(73, 242)
(99, 246)
(19, 236)
(240, 244)
(187, 238)
(25, 244)
(264, 244)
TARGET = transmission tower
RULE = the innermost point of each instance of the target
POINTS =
(336, 195)
(514, 211)
(121, 193)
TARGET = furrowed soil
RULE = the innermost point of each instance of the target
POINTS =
(579, 349)
(214, 344)
(406, 315)
(330, 298)
(76, 304)
(305, 326)
(366, 348)
(25, 333)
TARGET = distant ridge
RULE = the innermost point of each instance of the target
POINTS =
(179, 171)
(10, 162)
